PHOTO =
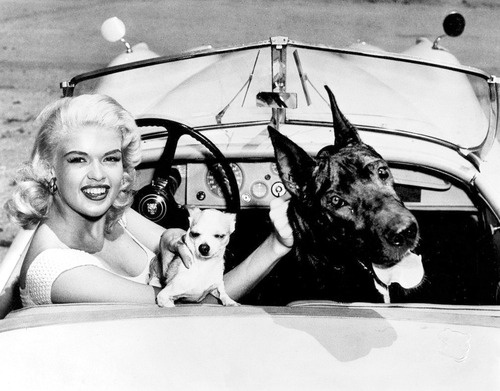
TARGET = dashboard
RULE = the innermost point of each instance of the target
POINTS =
(259, 183)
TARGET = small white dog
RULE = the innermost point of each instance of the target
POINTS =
(206, 238)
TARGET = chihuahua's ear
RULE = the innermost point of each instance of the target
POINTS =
(231, 218)
(194, 213)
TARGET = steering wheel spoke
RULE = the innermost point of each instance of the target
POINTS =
(156, 201)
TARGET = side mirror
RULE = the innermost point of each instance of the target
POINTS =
(113, 30)
(453, 26)
(277, 100)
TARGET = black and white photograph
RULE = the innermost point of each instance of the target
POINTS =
(249, 195)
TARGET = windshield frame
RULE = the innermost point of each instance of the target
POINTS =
(277, 44)
(68, 87)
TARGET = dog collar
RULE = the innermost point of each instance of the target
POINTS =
(372, 273)
(380, 286)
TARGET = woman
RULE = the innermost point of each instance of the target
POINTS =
(89, 245)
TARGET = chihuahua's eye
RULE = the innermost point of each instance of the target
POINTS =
(194, 234)
(219, 236)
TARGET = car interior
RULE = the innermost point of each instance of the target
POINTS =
(458, 244)
(458, 241)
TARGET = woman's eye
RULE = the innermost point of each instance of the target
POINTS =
(113, 159)
(383, 173)
(76, 159)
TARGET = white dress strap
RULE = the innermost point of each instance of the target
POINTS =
(123, 222)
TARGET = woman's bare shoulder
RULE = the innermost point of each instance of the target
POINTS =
(43, 239)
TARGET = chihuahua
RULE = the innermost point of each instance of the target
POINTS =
(207, 238)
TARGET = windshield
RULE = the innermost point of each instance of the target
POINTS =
(376, 91)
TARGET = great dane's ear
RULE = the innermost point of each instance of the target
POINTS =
(345, 133)
(295, 166)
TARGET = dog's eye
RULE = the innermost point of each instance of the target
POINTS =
(337, 202)
(219, 236)
(383, 173)
(194, 234)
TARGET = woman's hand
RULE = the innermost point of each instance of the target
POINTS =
(282, 229)
(172, 244)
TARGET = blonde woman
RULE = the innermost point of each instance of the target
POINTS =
(89, 245)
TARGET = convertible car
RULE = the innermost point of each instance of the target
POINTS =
(204, 115)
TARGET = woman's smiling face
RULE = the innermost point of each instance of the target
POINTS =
(89, 170)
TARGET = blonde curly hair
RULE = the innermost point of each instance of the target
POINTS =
(32, 197)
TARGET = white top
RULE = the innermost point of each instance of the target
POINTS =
(51, 263)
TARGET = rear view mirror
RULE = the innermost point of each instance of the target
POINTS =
(277, 100)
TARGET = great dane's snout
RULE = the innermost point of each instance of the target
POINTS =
(403, 236)
(204, 249)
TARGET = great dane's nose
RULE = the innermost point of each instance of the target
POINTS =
(405, 236)
(204, 249)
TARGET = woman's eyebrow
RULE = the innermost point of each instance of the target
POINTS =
(113, 152)
(76, 152)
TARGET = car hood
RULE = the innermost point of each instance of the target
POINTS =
(421, 92)
(305, 346)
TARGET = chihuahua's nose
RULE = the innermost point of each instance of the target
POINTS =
(204, 249)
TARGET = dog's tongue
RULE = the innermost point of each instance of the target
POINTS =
(407, 273)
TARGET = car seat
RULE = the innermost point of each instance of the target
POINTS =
(10, 269)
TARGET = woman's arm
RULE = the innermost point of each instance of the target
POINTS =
(243, 277)
(252, 270)
(72, 286)
(145, 230)
(168, 242)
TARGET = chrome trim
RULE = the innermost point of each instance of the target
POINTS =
(262, 44)
(278, 72)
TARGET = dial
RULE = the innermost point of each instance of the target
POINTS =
(211, 178)
(259, 189)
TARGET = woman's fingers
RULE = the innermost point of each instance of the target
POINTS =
(184, 252)
(279, 218)
(172, 244)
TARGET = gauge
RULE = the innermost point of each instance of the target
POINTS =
(213, 183)
(259, 189)
(278, 189)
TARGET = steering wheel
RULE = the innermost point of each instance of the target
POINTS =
(156, 201)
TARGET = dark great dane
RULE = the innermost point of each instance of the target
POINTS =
(353, 234)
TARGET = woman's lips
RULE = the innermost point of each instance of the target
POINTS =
(95, 193)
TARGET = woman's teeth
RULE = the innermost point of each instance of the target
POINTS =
(95, 192)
